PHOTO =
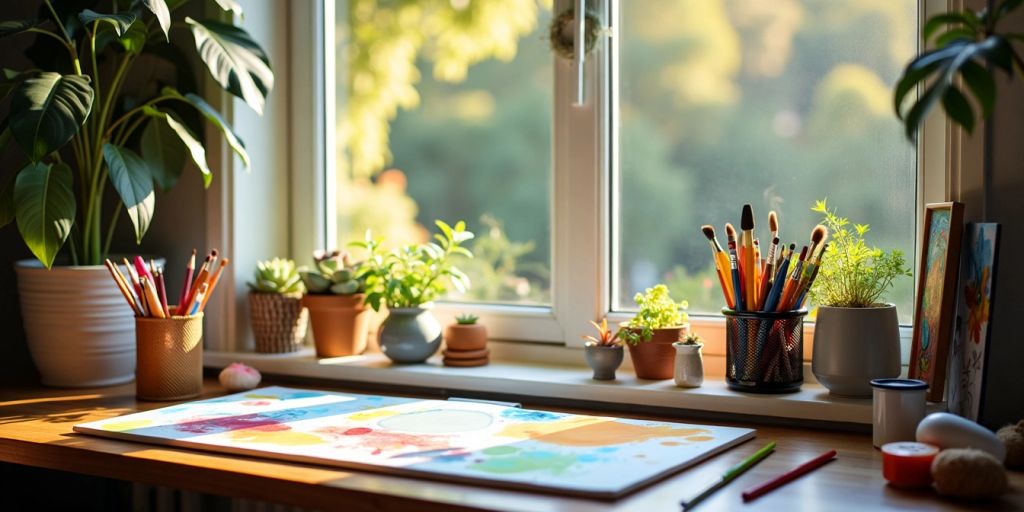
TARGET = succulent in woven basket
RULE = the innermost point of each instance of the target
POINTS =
(278, 275)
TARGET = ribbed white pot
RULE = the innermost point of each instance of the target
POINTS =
(80, 330)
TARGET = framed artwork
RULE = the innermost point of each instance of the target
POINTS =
(975, 293)
(936, 290)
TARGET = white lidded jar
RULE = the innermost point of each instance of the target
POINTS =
(898, 406)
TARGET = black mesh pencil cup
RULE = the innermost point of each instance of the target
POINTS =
(764, 351)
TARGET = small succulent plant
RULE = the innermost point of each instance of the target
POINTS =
(333, 273)
(466, 319)
(605, 337)
(693, 339)
(278, 275)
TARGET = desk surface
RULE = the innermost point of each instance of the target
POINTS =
(35, 430)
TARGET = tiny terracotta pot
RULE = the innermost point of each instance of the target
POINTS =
(655, 359)
(341, 323)
(463, 337)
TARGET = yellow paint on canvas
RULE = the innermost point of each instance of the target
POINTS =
(588, 431)
(278, 437)
(533, 430)
(121, 426)
(372, 414)
(262, 397)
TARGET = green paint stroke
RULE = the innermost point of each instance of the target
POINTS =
(508, 459)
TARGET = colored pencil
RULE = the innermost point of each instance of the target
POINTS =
(200, 293)
(729, 475)
(780, 281)
(123, 287)
(736, 281)
(136, 285)
(757, 271)
(789, 291)
(204, 272)
(152, 299)
(747, 271)
(186, 287)
(213, 280)
(161, 291)
(787, 477)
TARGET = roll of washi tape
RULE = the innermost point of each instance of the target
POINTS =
(908, 464)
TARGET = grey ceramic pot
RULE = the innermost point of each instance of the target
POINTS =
(410, 335)
(603, 360)
(852, 346)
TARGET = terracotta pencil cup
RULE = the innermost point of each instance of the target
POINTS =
(169, 358)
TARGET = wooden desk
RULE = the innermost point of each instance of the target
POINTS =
(35, 430)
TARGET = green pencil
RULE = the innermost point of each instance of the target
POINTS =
(729, 475)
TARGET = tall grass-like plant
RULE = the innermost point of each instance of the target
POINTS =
(80, 129)
(853, 274)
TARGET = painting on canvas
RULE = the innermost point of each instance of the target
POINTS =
(471, 442)
(976, 291)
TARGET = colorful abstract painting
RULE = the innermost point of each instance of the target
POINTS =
(933, 316)
(974, 309)
(459, 441)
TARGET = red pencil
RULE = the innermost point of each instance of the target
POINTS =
(186, 288)
(789, 476)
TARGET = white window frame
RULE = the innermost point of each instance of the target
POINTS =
(584, 168)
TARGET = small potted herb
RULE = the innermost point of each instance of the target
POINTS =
(650, 334)
(407, 280)
(689, 369)
(335, 299)
(856, 333)
(603, 352)
(465, 334)
(275, 307)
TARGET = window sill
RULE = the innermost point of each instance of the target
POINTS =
(559, 380)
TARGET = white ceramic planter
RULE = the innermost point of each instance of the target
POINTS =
(852, 346)
(80, 330)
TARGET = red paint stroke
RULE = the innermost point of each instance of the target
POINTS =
(255, 403)
(378, 441)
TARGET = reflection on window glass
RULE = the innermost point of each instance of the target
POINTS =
(444, 112)
(725, 102)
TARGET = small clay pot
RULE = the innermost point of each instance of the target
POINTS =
(655, 359)
(604, 360)
(463, 337)
(341, 323)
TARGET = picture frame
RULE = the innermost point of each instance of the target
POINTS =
(973, 323)
(936, 293)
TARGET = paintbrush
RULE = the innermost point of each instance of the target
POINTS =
(747, 271)
(789, 292)
(779, 282)
(768, 275)
(721, 260)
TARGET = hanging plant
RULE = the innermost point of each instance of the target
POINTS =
(561, 31)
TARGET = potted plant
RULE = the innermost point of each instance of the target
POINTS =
(335, 300)
(689, 368)
(603, 352)
(466, 342)
(650, 334)
(856, 334)
(86, 122)
(407, 280)
(275, 307)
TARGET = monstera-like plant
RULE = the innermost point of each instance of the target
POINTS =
(79, 127)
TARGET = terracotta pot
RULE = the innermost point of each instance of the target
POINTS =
(655, 359)
(340, 323)
(463, 337)
(278, 321)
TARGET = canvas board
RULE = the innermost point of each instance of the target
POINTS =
(482, 443)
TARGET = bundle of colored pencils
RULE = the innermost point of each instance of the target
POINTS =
(145, 288)
(777, 282)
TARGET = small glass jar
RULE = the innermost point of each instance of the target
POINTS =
(898, 406)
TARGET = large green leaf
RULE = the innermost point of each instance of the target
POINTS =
(162, 13)
(133, 181)
(45, 208)
(47, 109)
(981, 84)
(164, 152)
(133, 40)
(958, 108)
(120, 22)
(214, 117)
(238, 64)
(11, 27)
(231, 6)
(195, 148)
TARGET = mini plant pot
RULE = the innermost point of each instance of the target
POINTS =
(604, 360)
(169, 358)
(278, 321)
(853, 346)
(689, 368)
(465, 337)
(655, 359)
(410, 335)
(340, 323)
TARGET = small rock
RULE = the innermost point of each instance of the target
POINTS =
(968, 473)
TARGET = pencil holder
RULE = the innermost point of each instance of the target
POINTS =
(764, 351)
(169, 357)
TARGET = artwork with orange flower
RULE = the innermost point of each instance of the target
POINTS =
(974, 310)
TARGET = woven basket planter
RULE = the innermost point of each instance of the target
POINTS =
(278, 321)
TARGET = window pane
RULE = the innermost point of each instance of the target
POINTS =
(725, 102)
(444, 112)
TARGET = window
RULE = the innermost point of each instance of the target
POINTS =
(457, 109)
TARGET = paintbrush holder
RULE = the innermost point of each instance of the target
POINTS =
(764, 351)
(169, 357)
